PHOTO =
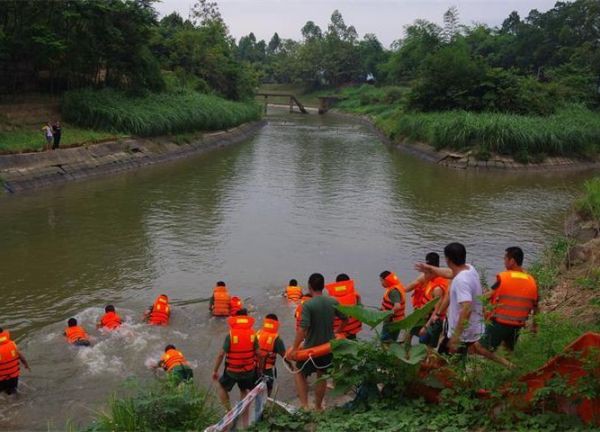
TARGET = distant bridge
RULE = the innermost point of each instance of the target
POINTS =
(293, 100)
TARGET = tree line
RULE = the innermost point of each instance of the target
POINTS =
(58, 45)
(524, 66)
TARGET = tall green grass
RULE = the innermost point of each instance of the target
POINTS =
(589, 204)
(163, 406)
(155, 114)
(573, 132)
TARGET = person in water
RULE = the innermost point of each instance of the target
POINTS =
(160, 312)
(240, 351)
(220, 301)
(110, 320)
(270, 345)
(175, 364)
(293, 292)
(75, 334)
(10, 356)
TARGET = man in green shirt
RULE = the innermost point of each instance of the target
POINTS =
(316, 328)
(244, 380)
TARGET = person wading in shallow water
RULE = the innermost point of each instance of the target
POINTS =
(316, 328)
(10, 356)
(75, 334)
(175, 364)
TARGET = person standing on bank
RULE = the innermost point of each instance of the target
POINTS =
(56, 133)
(316, 328)
(514, 297)
(47, 129)
(465, 310)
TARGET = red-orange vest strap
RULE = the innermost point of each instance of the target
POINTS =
(437, 282)
(222, 299)
(76, 333)
(9, 358)
(242, 355)
(172, 358)
(298, 311)
(514, 299)
(345, 293)
(293, 293)
(235, 304)
(387, 304)
(111, 320)
(161, 311)
(266, 342)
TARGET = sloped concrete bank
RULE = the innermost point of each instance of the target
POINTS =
(27, 171)
(466, 160)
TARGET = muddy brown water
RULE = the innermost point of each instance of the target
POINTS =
(306, 194)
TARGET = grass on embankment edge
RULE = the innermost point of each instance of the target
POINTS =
(156, 114)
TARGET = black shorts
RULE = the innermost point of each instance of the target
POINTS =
(463, 347)
(497, 333)
(9, 386)
(246, 383)
(82, 342)
(315, 364)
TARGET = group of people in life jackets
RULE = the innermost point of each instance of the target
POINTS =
(456, 325)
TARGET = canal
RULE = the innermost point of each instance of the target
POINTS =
(306, 194)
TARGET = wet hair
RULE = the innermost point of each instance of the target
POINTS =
(169, 347)
(316, 281)
(109, 308)
(293, 282)
(272, 317)
(72, 322)
(433, 259)
(165, 296)
(384, 274)
(1, 329)
(242, 312)
(456, 253)
(220, 283)
(515, 253)
(342, 277)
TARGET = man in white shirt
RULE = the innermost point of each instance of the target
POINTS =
(465, 309)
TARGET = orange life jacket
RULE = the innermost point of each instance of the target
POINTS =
(222, 299)
(345, 294)
(393, 283)
(423, 293)
(160, 311)
(514, 299)
(266, 342)
(298, 311)
(75, 334)
(235, 304)
(9, 357)
(293, 293)
(242, 355)
(111, 321)
(172, 358)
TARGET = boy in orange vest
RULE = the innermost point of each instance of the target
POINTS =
(110, 320)
(240, 351)
(175, 364)
(76, 335)
(393, 300)
(160, 312)
(293, 292)
(220, 301)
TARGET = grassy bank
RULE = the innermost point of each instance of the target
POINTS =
(573, 131)
(589, 204)
(155, 114)
(29, 139)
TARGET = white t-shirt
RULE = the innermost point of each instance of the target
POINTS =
(466, 287)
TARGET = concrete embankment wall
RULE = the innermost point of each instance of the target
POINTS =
(26, 171)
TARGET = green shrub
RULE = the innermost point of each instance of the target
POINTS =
(161, 406)
(589, 205)
(155, 114)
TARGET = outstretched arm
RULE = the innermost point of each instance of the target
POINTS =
(438, 271)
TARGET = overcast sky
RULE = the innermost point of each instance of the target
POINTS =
(385, 18)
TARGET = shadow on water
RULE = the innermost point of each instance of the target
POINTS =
(308, 193)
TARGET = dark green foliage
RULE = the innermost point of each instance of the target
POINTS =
(155, 114)
(161, 406)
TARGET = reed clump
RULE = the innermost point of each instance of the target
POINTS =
(155, 114)
(571, 132)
